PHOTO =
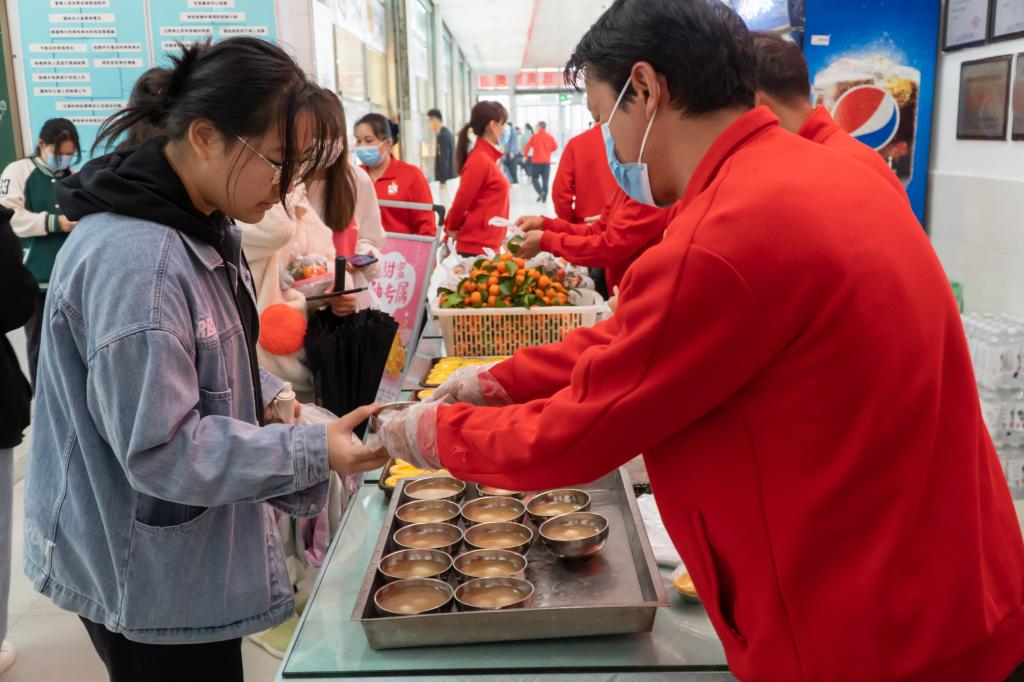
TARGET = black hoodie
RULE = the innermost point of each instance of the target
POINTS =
(139, 182)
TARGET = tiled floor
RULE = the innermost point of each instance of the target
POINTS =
(52, 644)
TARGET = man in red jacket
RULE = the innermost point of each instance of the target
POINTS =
(783, 85)
(583, 185)
(543, 146)
(622, 232)
(791, 362)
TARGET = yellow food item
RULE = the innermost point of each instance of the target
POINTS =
(683, 583)
(424, 394)
(396, 358)
(445, 367)
(401, 470)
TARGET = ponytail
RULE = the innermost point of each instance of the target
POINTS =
(147, 106)
(339, 181)
(461, 148)
(482, 115)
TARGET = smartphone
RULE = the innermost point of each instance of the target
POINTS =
(362, 261)
(321, 297)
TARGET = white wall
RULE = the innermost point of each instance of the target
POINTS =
(976, 198)
(295, 31)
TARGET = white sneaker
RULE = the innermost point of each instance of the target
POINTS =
(7, 656)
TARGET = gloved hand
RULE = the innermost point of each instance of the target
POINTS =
(473, 384)
(411, 434)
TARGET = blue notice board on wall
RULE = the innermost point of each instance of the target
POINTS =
(872, 64)
(80, 58)
(174, 21)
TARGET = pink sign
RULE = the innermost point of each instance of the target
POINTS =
(406, 263)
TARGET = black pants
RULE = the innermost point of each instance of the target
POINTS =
(129, 661)
(541, 175)
(34, 335)
(512, 169)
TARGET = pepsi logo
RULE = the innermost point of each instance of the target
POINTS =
(869, 113)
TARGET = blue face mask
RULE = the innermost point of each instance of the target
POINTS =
(58, 162)
(369, 156)
(633, 178)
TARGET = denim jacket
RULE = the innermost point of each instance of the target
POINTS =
(146, 481)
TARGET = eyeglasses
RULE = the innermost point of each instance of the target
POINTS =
(278, 168)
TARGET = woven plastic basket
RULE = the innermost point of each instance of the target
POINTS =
(501, 331)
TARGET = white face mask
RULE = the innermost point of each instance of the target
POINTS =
(633, 178)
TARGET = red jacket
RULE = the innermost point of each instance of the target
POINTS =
(791, 362)
(625, 230)
(583, 184)
(542, 145)
(820, 127)
(483, 194)
(403, 181)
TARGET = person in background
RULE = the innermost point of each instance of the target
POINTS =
(519, 149)
(819, 529)
(510, 145)
(484, 190)
(524, 159)
(444, 161)
(29, 188)
(17, 306)
(783, 85)
(153, 452)
(542, 146)
(393, 180)
(583, 184)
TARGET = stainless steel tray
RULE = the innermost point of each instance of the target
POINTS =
(616, 592)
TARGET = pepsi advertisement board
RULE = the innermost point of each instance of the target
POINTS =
(872, 64)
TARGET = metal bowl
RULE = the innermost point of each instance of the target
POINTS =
(434, 488)
(406, 563)
(579, 535)
(500, 535)
(420, 594)
(502, 563)
(492, 509)
(490, 491)
(427, 511)
(493, 594)
(443, 536)
(556, 502)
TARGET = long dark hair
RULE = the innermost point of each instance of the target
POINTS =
(480, 117)
(243, 86)
(57, 131)
(147, 93)
(339, 181)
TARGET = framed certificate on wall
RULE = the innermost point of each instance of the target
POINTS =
(1006, 19)
(984, 99)
(966, 24)
(1017, 130)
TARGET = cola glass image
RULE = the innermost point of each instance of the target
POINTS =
(875, 100)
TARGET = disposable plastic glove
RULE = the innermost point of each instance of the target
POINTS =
(411, 434)
(473, 384)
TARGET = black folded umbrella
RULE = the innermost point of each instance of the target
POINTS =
(347, 355)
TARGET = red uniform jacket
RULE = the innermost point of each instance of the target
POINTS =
(820, 127)
(542, 145)
(625, 230)
(483, 194)
(403, 181)
(583, 184)
(791, 362)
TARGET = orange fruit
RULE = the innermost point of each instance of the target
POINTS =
(544, 282)
(547, 300)
(519, 262)
(444, 299)
(492, 280)
(492, 300)
(494, 290)
(539, 292)
(470, 287)
(563, 299)
(475, 298)
(550, 292)
(501, 267)
(505, 256)
(520, 278)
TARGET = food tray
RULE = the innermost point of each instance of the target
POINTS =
(502, 331)
(424, 383)
(616, 592)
